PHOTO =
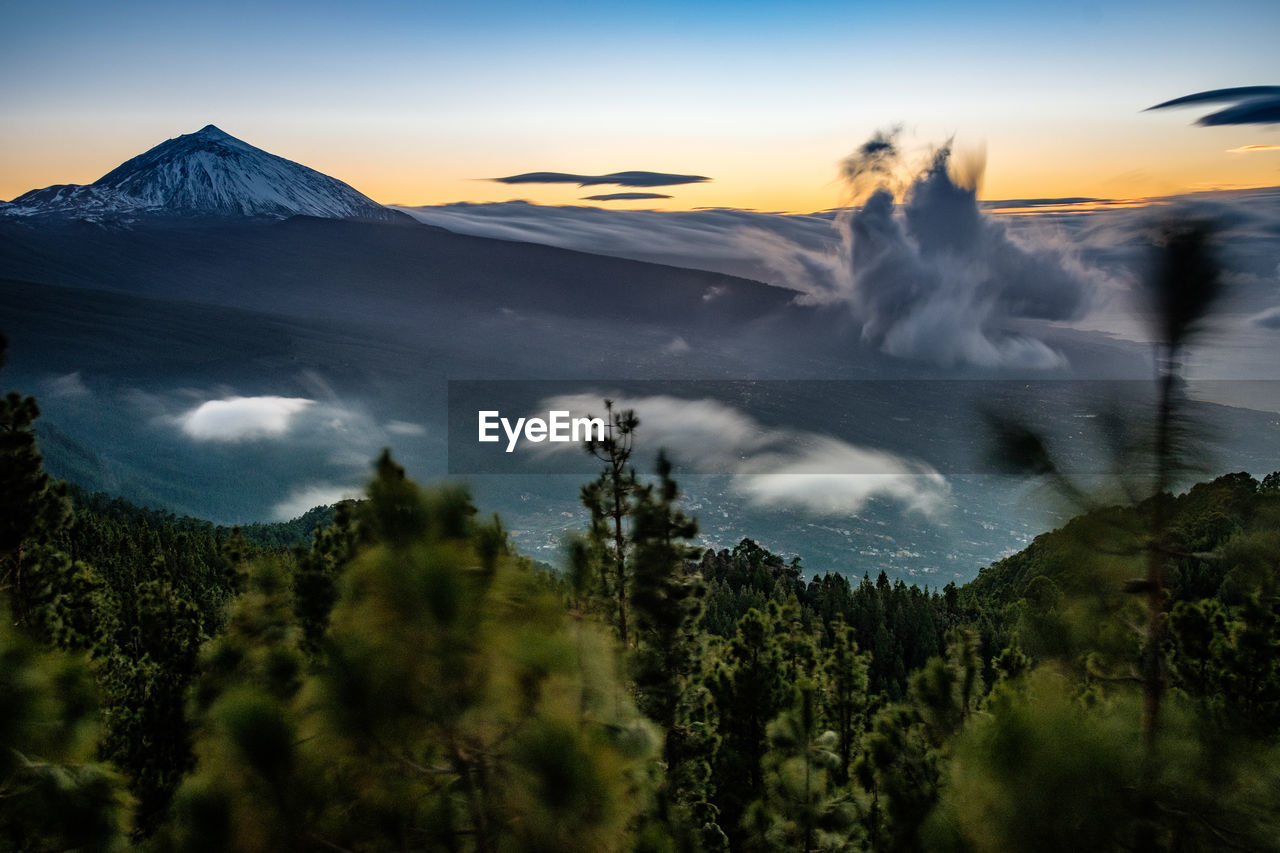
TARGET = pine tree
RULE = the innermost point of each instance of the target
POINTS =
(749, 692)
(253, 789)
(847, 702)
(902, 764)
(1185, 286)
(1185, 283)
(666, 602)
(315, 581)
(610, 500)
(803, 809)
(34, 511)
(144, 663)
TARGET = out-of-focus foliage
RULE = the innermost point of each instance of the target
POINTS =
(1040, 770)
(455, 705)
(1049, 768)
(54, 794)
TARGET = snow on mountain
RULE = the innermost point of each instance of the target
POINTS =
(86, 202)
(206, 173)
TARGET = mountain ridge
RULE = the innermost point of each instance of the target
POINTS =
(208, 173)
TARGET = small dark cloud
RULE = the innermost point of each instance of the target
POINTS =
(875, 163)
(622, 179)
(542, 178)
(1249, 105)
(623, 196)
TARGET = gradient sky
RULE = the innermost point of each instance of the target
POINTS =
(411, 102)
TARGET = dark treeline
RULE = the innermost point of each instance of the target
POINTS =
(900, 626)
(390, 675)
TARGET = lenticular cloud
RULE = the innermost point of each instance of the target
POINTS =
(242, 418)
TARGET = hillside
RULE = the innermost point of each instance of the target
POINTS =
(1220, 534)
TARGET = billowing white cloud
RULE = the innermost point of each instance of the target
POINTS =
(242, 418)
(771, 466)
(942, 281)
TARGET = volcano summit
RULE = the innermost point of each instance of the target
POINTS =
(208, 173)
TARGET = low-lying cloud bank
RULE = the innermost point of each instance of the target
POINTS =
(771, 466)
(934, 278)
(925, 270)
(720, 240)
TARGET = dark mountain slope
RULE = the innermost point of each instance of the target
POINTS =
(316, 267)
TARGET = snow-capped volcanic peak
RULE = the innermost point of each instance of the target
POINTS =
(206, 173)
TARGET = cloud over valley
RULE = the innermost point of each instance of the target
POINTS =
(242, 418)
(772, 466)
